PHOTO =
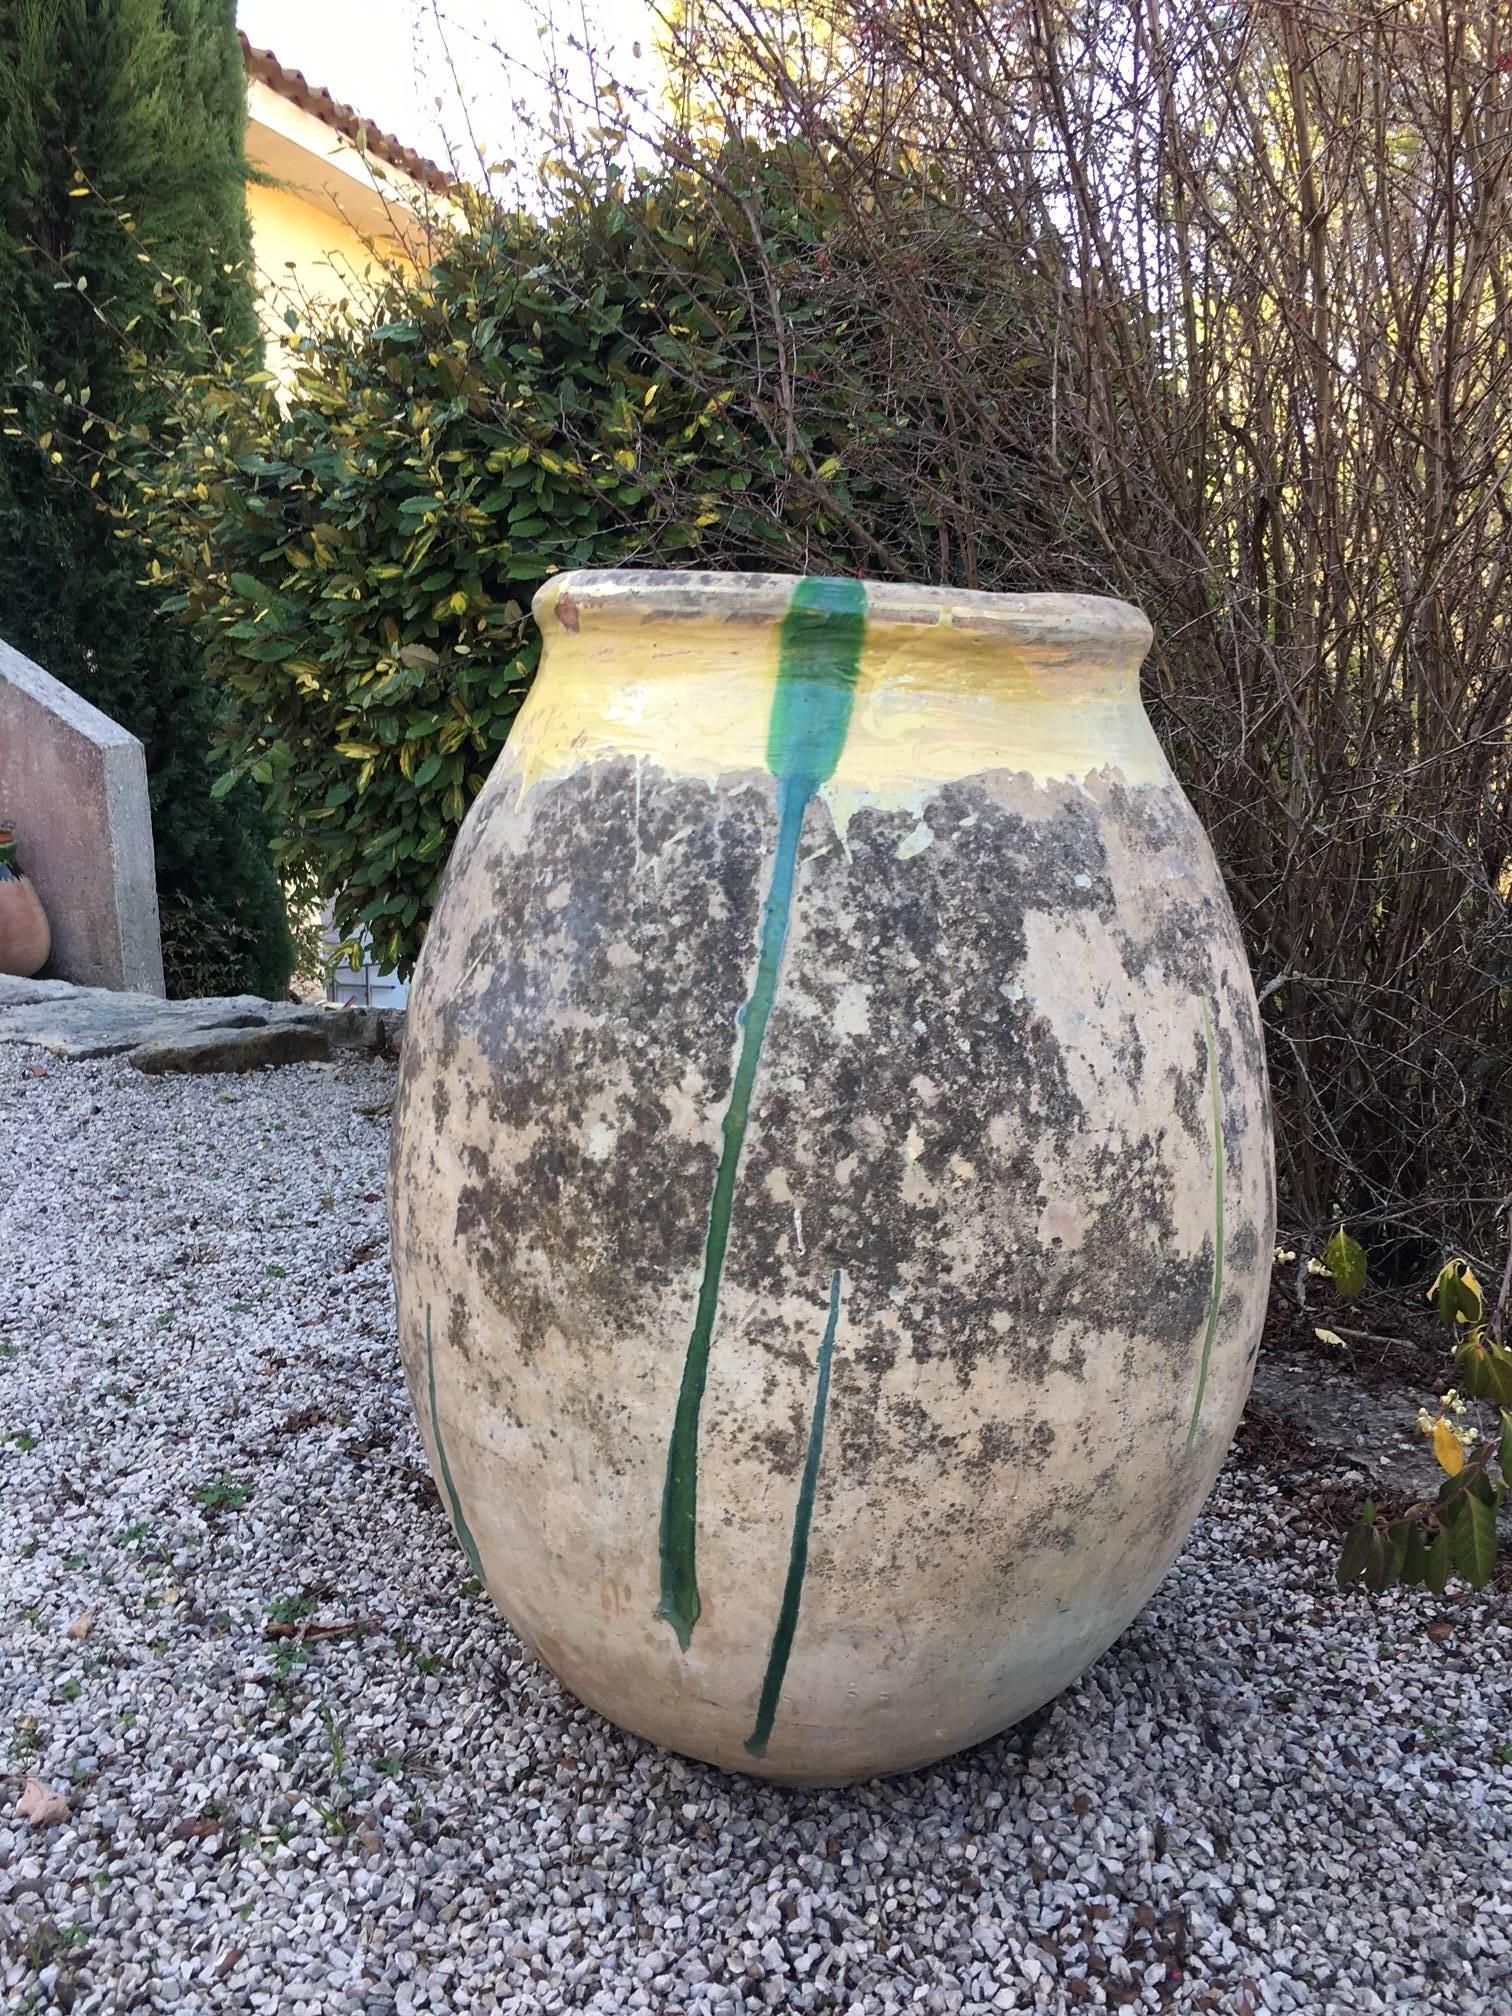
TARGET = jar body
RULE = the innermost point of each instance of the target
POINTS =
(832, 1189)
(25, 936)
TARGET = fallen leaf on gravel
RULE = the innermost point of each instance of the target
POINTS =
(82, 1625)
(301, 1418)
(282, 1628)
(40, 1804)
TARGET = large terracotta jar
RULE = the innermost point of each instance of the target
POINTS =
(25, 937)
(832, 1186)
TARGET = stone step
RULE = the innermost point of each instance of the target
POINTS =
(234, 1032)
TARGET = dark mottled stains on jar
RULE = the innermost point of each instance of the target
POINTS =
(913, 1118)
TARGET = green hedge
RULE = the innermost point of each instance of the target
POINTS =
(601, 389)
(122, 188)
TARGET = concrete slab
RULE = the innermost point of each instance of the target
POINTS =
(75, 784)
(233, 1032)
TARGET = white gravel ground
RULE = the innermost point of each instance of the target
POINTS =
(1265, 1797)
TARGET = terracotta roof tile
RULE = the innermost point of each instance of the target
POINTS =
(292, 84)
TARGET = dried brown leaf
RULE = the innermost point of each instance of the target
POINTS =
(40, 1805)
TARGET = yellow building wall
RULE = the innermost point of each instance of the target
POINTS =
(326, 217)
(304, 255)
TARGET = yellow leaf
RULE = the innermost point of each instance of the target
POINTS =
(1448, 1448)
(1329, 1337)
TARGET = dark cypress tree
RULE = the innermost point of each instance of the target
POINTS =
(142, 104)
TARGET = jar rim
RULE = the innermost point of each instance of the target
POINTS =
(619, 594)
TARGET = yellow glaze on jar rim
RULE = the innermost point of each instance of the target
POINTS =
(682, 668)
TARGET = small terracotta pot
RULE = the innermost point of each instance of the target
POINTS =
(25, 939)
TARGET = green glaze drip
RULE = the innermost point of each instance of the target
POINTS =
(817, 668)
(819, 659)
(459, 1523)
(680, 1603)
(792, 1589)
(1215, 1298)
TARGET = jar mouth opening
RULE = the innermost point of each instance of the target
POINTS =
(612, 596)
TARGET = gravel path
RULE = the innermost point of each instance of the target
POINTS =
(1265, 1797)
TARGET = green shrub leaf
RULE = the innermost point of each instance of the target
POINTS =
(1354, 1558)
(1475, 1541)
(1437, 1562)
(1345, 1260)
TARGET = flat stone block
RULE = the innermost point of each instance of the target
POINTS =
(232, 1032)
(75, 784)
(236, 1050)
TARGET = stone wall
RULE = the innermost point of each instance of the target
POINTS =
(74, 784)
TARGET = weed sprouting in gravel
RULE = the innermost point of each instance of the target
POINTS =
(335, 1738)
(287, 1659)
(224, 1494)
(290, 1609)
